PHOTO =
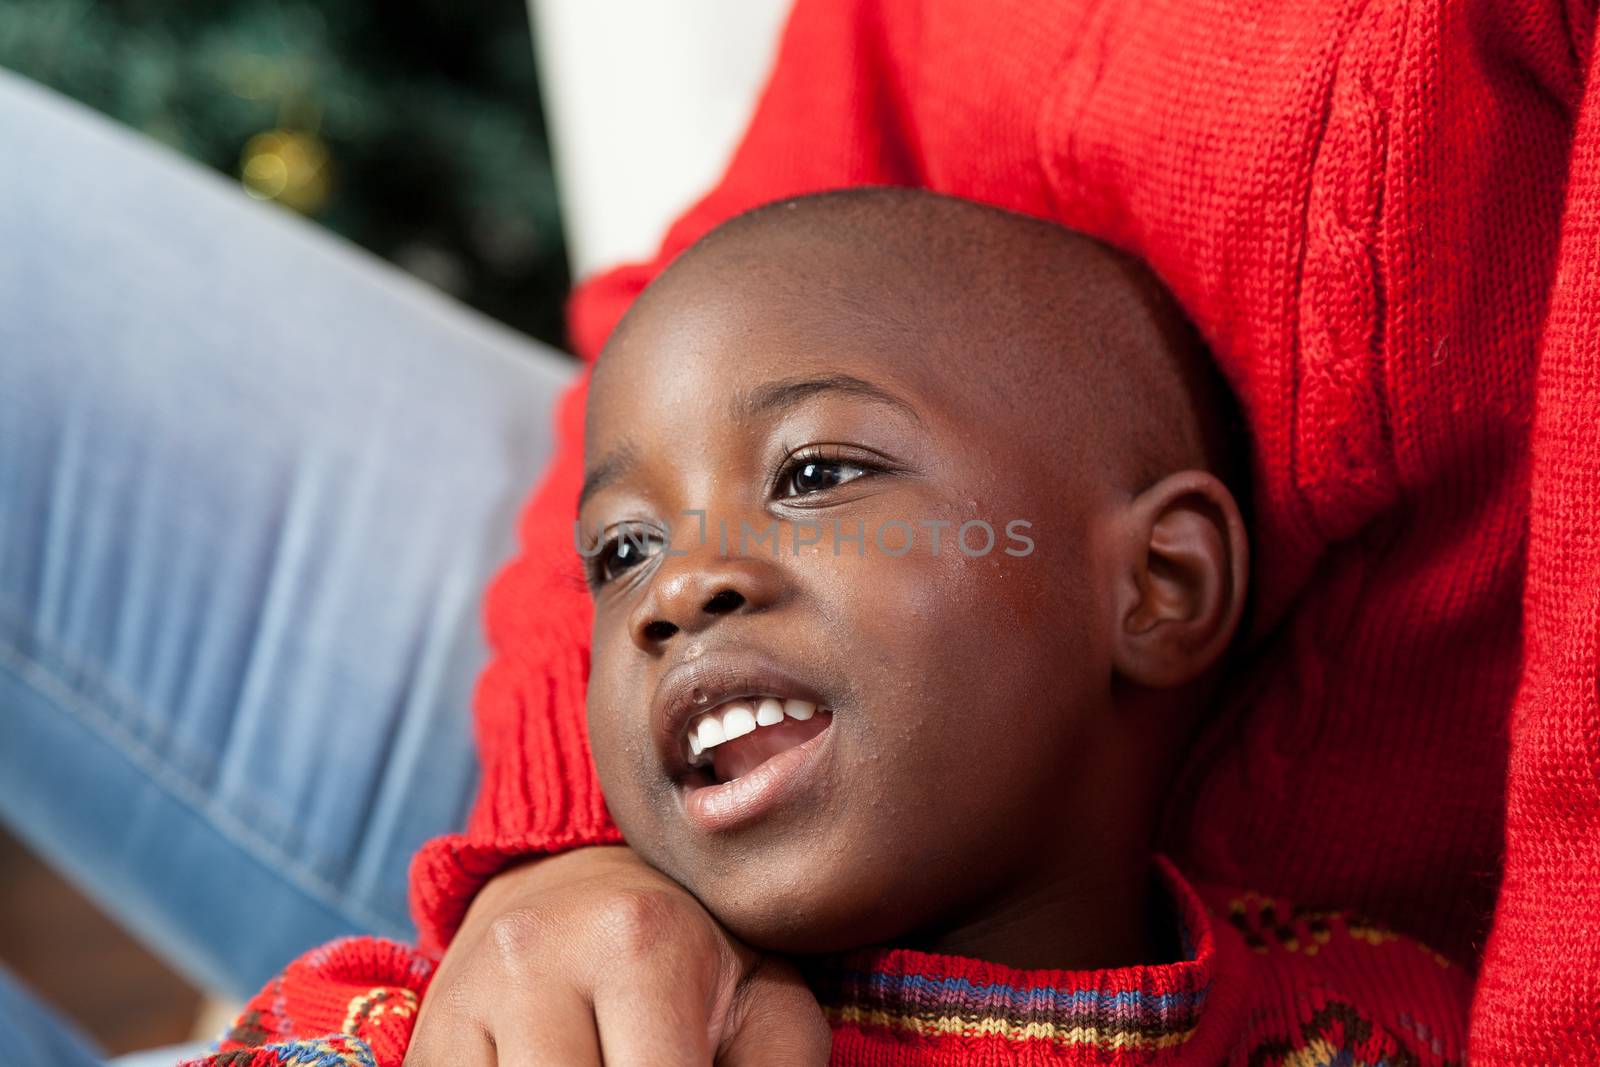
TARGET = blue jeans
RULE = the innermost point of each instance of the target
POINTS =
(253, 484)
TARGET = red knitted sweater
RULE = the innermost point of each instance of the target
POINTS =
(1260, 984)
(1385, 217)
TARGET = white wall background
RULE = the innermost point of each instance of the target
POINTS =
(645, 100)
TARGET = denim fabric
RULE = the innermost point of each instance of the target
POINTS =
(253, 484)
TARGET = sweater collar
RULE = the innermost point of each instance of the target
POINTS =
(1135, 1011)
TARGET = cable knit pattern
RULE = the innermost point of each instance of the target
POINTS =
(1360, 202)
(1260, 984)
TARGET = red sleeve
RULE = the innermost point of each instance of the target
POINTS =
(827, 118)
(352, 1001)
(1538, 997)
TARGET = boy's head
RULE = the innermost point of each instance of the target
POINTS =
(869, 372)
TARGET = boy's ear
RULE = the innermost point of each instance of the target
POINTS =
(1183, 569)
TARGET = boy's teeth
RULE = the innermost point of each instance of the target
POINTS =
(710, 731)
(737, 718)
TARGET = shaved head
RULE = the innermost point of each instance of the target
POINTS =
(1016, 309)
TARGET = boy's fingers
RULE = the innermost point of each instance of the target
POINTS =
(559, 1032)
(777, 1023)
(436, 1046)
(670, 975)
(661, 1023)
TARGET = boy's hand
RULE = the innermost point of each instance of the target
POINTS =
(595, 957)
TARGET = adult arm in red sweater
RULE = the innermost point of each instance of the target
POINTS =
(1538, 997)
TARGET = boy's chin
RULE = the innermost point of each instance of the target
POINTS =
(813, 926)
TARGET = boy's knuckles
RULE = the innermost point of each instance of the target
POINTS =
(519, 940)
(641, 924)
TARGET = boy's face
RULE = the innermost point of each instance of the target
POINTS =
(959, 692)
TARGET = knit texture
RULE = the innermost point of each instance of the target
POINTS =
(1539, 997)
(1260, 984)
(350, 1003)
(1365, 205)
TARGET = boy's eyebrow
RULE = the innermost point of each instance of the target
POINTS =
(762, 400)
(596, 477)
(775, 396)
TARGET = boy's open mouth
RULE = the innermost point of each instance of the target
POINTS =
(737, 736)
(739, 733)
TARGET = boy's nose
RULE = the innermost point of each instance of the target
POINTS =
(690, 593)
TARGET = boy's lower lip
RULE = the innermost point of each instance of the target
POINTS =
(725, 805)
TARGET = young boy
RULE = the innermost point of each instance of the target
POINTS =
(914, 558)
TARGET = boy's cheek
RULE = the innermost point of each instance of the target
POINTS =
(622, 745)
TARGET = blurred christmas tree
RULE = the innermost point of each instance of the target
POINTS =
(410, 126)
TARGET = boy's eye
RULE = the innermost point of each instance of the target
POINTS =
(631, 547)
(816, 475)
(631, 544)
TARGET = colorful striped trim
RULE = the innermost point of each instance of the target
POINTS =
(334, 1050)
(1113, 1038)
(1136, 1009)
(917, 1003)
